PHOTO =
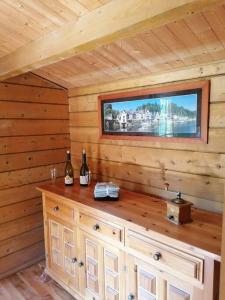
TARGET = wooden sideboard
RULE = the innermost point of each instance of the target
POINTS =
(126, 249)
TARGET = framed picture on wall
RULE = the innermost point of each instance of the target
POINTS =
(176, 113)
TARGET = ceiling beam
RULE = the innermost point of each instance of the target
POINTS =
(113, 21)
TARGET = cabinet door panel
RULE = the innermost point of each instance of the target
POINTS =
(91, 275)
(111, 294)
(103, 278)
(147, 281)
(177, 294)
(113, 273)
(69, 241)
(142, 280)
(62, 251)
(92, 267)
(55, 255)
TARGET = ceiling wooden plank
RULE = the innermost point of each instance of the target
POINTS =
(198, 71)
(114, 20)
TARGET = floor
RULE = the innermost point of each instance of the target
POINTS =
(27, 284)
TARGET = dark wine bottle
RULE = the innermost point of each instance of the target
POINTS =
(68, 179)
(84, 171)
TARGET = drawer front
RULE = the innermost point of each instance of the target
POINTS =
(60, 210)
(111, 231)
(166, 255)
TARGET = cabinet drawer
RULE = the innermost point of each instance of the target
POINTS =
(60, 210)
(174, 259)
(106, 229)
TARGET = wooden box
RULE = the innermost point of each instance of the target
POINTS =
(179, 210)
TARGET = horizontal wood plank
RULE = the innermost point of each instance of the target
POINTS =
(36, 127)
(33, 80)
(216, 141)
(217, 89)
(33, 143)
(205, 187)
(186, 73)
(19, 242)
(12, 262)
(20, 110)
(217, 116)
(19, 210)
(9, 162)
(13, 92)
(83, 103)
(19, 226)
(27, 176)
(84, 119)
(18, 194)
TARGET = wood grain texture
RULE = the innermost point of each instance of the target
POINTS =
(33, 138)
(134, 208)
(158, 55)
(115, 22)
(32, 19)
(33, 143)
(148, 165)
(31, 94)
(26, 285)
(222, 270)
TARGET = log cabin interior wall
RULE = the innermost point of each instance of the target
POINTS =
(33, 138)
(197, 170)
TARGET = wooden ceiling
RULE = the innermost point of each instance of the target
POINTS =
(193, 40)
(196, 39)
(22, 21)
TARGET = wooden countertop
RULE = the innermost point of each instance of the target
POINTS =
(204, 232)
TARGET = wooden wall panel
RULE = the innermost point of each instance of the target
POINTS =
(197, 170)
(34, 136)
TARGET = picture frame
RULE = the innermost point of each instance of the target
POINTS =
(173, 113)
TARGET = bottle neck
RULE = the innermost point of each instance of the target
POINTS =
(68, 157)
(84, 158)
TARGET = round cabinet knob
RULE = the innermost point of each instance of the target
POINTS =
(96, 227)
(130, 297)
(81, 264)
(74, 260)
(56, 208)
(157, 256)
(171, 217)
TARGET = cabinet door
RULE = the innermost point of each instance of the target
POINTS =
(113, 270)
(103, 273)
(91, 276)
(55, 249)
(62, 252)
(143, 282)
(70, 258)
(146, 282)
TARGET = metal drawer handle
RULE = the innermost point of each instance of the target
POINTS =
(74, 260)
(96, 227)
(56, 208)
(130, 297)
(81, 264)
(157, 256)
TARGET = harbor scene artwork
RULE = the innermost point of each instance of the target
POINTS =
(164, 115)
